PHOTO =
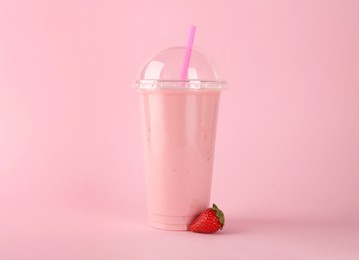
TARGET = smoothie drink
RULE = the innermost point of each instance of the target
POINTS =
(179, 119)
(179, 129)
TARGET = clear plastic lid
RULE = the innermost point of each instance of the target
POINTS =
(163, 71)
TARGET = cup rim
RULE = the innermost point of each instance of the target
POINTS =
(152, 84)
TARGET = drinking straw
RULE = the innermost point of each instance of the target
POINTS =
(187, 56)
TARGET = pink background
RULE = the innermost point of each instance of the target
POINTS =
(286, 169)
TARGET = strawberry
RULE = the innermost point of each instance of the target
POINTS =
(209, 221)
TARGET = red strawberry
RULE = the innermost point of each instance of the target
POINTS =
(209, 221)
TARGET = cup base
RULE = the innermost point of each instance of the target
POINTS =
(174, 223)
(169, 227)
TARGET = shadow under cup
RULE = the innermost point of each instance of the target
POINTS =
(179, 131)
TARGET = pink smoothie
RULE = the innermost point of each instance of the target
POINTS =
(179, 130)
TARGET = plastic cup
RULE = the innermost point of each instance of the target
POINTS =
(179, 120)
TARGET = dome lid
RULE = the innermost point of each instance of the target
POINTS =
(164, 71)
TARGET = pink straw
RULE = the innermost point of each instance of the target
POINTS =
(188, 52)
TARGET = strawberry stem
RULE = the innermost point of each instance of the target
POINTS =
(219, 214)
